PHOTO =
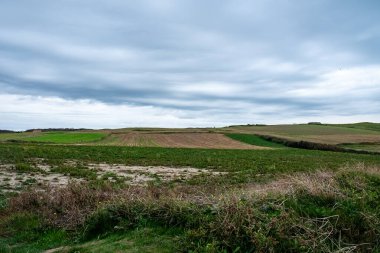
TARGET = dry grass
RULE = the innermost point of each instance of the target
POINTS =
(361, 167)
(312, 133)
(68, 207)
(254, 214)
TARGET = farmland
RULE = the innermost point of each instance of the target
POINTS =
(329, 134)
(188, 190)
(55, 137)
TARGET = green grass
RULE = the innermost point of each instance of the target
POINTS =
(75, 171)
(244, 165)
(27, 234)
(144, 239)
(303, 221)
(67, 137)
(254, 140)
(26, 168)
(55, 137)
(300, 222)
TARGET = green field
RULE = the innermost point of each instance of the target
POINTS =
(254, 140)
(61, 137)
(55, 137)
(239, 161)
(278, 199)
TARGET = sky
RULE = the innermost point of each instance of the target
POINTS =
(187, 63)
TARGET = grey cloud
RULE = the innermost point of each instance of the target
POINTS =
(261, 54)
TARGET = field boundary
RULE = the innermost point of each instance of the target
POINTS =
(314, 146)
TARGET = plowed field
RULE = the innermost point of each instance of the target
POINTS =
(183, 140)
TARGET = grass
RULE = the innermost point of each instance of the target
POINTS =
(304, 130)
(327, 134)
(15, 136)
(254, 140)
(26, 168)
(363, 146)
(363, 125)
(278, 200)
(55, 137)
(341, 217)
(146, 239)
(25, 232)
(243, 165)
(68, 137)
(75, 171)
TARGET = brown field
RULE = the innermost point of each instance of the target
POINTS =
(181, 140)
(341, 138)
(313, 133)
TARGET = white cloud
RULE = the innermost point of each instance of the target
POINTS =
(209, 89)
(44, 112)
(351, 82)
(271, 65)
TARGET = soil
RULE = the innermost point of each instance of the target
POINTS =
(184, 140)
(12, 180)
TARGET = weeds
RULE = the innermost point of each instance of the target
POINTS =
(283, 200)
(310, 217)
(242, 165)
(26, 168)
(77, 171)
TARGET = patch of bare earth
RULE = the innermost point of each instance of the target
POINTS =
(184, 140)
(11, 180)
(143, 174)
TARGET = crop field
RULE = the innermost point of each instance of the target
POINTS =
(329, 134)
(55, 137)
(187, 190)
(182, 140)
(363, 125)
(363, 146)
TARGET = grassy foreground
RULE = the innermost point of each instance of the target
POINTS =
(280, 200)
(240, 163)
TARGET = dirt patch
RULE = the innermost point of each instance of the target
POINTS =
(183, 140)
(12, 180)
(143, 174)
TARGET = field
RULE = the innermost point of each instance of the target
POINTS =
(182, 140)
(363, 146)
(187, 190)
(329, 134)
(55, 137)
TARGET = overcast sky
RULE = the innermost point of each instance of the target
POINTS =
(119, 63)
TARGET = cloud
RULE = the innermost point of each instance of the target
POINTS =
(206, 61)
(355, 82)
